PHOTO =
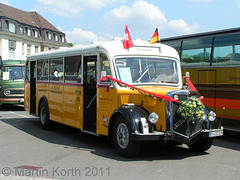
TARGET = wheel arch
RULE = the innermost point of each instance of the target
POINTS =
(132, 115)
(42, 99)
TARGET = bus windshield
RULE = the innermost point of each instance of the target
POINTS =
(147, 70)
(12, 73)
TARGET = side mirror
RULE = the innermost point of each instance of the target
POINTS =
(184, 80)
(103, 73)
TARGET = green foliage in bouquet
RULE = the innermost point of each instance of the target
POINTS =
(191, 109)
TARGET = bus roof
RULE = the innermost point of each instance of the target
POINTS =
(210, 33)
(112, 48)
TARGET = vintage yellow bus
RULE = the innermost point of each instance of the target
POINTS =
(130, 95)
(213, 60)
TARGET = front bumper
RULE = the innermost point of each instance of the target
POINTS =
(169, 136)
(11, 100)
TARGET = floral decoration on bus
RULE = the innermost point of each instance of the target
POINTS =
(191, 109)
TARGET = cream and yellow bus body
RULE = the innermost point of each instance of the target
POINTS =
(66, 104)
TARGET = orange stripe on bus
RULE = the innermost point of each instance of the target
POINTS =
(228, 117)
(209, 102)
(220, 103)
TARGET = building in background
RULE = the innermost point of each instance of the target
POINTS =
(24, 33)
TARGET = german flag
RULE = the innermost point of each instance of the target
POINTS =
(155, 37)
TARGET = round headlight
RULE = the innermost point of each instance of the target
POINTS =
(211, 116)
(153, 117)
(7, 92)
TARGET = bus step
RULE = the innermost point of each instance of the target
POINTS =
(90, 132)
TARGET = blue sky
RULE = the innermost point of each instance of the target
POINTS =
(84, 21)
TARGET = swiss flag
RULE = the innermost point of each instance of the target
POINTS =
(127, 42)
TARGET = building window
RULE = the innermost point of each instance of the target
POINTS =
(12, 47)
(56, 37)
(21, 30)
(36, 49)
(12, 27)
(29, 32)
(36, 34)
(22, 48)
(45, 48)
(63, 40)
(49, 36)
(28, 49)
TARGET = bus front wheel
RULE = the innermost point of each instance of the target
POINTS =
(44, 116)
(123, 143)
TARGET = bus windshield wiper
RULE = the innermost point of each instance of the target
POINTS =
(141, 76)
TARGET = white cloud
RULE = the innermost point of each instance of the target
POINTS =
(98, 4)
(72, 8)
(140, 11)
(140, 15)
(66, 8)
(238, 3)
(181, 27)
(78, 35)
(143, 17)
(4, 2)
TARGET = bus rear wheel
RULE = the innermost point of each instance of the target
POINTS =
(123, 143)
(44, 116)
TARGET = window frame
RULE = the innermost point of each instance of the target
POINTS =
(12, 27)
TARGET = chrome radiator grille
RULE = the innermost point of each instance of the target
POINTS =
(176, 123)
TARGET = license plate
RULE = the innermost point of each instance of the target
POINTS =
(216, 133)
(21, 100)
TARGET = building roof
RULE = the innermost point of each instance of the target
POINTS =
(28, 18)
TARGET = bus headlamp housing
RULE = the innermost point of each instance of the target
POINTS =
(7, 92)
(211, 116)
(153, 117)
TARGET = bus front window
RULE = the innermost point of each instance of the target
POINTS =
(12, 73)
(147, 70)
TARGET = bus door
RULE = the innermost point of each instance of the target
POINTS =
(89, 93)
(33, 87)
(207, 87)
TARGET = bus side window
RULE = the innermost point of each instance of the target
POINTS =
(196, 52)
(27, 72)
(56, 69)
(105, 66)
(73, 69)
(42, 69)
(226, 50)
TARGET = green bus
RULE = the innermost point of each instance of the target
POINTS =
(12, 73)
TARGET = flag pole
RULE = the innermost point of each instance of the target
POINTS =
(158, 35)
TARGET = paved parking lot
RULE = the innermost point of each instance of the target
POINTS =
(28, 152)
